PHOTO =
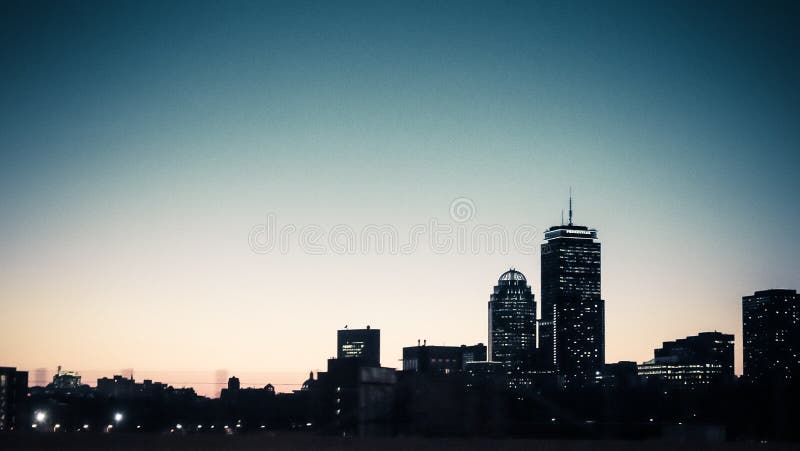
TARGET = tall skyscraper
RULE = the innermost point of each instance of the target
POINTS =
(362, 344)
(771, 335)
(512, 320)
(572, 325)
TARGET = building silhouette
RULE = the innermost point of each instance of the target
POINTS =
(442, 359)
(121, 387)
(620, 375)
(13, 391)
(361, 344)
(512, 320)
(703, 359)
(355, 396)
(66, 380)
(117, 386)
(771, 336)
(235, 393)
(572, 324)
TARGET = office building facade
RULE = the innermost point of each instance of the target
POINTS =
(13, 392)
(361, 344)
(441, 359)
(66, 380)
(771, 336)
(572, 324)
(703, 359)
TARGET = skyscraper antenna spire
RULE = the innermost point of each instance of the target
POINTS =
(570, 205)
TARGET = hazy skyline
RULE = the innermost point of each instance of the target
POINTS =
(141, 142)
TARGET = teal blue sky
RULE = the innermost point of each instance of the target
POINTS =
(140, 142)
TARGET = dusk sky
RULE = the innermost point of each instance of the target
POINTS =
(142, 142)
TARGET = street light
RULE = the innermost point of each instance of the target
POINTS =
(40, 416)
(117, 417)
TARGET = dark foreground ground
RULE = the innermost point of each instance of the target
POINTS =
(310, 442)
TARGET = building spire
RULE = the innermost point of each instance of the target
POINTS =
(570, 205)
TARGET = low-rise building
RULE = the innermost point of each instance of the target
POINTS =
(444, 359)
(703, 359)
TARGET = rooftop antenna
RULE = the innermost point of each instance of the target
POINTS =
(562, 216)
(570, 205)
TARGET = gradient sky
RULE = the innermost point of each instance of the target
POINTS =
(140, 142)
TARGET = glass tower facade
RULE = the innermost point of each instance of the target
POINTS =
(771, 335)
(572, 325)
(512, 320)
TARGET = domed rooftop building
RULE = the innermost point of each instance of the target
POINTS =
(308, 383)
(512, 319)
(512, 275)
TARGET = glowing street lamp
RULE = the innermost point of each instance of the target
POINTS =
(40, 416)
(118, 417)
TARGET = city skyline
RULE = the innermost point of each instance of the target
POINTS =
(286, 381)
(142, 143)
(212, 389)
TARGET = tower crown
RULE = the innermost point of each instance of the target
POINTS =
(512, 274)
